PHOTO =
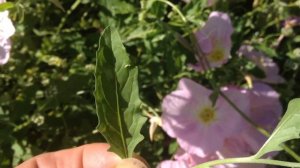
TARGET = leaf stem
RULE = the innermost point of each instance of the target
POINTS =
(174, 8)
(292, 153)
(250, 159)
(69, 12)
(260, 129)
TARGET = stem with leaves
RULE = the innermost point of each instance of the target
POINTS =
(173, 6)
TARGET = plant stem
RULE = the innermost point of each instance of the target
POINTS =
(174, 8)
(69, 12)
(292, 153)
(248, 160)
(248, 119)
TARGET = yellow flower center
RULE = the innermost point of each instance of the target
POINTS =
(216, 55)
(207, 115)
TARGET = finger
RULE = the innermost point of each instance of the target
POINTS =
(86, 156)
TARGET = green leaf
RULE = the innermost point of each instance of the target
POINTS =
(287, 129)
(6, 5)
(117, 96)
(266, 50)
(118, 7)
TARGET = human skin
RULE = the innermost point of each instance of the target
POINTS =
(86, 156)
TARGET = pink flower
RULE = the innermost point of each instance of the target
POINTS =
(205, 132)
(214, 40)
(6, 30)
(199, 127)
(180, 121)
(6, 27)
(265, 63)
(292, 21)
(265, 111)
(5, 47)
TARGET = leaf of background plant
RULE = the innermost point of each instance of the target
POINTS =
(6, 5)
(117, 6)
(287, 129)
(266, 50)
(58, 4)
(117, 96)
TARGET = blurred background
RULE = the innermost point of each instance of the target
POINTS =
(46, 88)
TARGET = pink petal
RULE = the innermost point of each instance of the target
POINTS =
(180, 117)
(5, 47)
(6, 27)
(241, 99)
(266, 108)
(215, 37)
(265, 63)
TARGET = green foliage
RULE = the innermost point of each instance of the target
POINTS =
(117, 95)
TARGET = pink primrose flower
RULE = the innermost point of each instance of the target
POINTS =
(261, 104)
(6, 30)
(6, 27)
(292, 21)
(211, 2)
(199, 127)
(5, 47)
(265, 110)
(265, 63)
(214, 40)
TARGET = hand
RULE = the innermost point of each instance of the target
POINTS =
(86, 156)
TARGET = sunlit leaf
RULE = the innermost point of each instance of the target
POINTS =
(6, 5)
(117, 96)
(117, 6)
(287, 129)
